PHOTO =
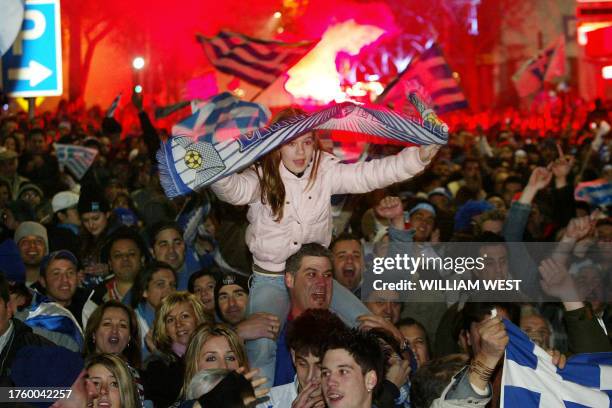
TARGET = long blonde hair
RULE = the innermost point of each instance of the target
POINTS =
(128, 393)
(268, 173)
(199, 338)
(162, 340)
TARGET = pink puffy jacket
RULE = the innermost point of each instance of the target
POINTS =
(307, 213)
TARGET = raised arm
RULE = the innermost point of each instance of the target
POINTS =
(238, 188)
(517, 218)
(149, 133)
(563, 191)
(365, 177)
(585, 335)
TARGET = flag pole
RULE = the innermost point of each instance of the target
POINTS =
(393, 82)
(162, 112)
(379, 99)
(257, 94)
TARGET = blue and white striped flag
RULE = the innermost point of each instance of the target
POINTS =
(113, 106)
(77, 159)
(548, 65)
(429, 75)
(193, 159)
(596, 192)
(258, 62)
(530, 380)
(53, 317)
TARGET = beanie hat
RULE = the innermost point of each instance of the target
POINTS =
(11, 263)
(92, 200)
(228, 278)
(32, 228)
(29, 186)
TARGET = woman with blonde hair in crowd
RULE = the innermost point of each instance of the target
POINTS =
(213, 347)
(220, 387)
(176, 319)
(113, 381)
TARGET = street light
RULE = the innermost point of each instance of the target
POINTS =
(138, 63)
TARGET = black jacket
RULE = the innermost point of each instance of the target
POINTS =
(21, 336)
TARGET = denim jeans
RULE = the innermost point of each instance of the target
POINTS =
(270, 295)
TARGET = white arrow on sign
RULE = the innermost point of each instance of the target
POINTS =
(35, 73)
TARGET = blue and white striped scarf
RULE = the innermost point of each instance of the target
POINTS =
(196, 157)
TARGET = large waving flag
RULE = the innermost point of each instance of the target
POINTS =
(193, 159)
(77, 159)
(258, 62)
(53, 317)
(530, 380)
(544, 67)
(430, 76)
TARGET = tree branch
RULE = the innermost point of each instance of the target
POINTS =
(101, 34)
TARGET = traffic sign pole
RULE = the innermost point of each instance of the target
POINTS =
(31, 107)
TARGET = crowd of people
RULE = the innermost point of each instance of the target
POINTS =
(254, 292)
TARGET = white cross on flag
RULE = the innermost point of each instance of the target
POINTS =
(77, 159)
(530, 380)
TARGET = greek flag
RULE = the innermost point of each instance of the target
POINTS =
(548, 65)
(110, 112)
(429, 75)
(530, 380)
(596, 192)
(76, 158)
(193, 159)
(53, 317)
(258, 62)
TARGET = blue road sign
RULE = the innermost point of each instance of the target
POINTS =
(33, 65)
